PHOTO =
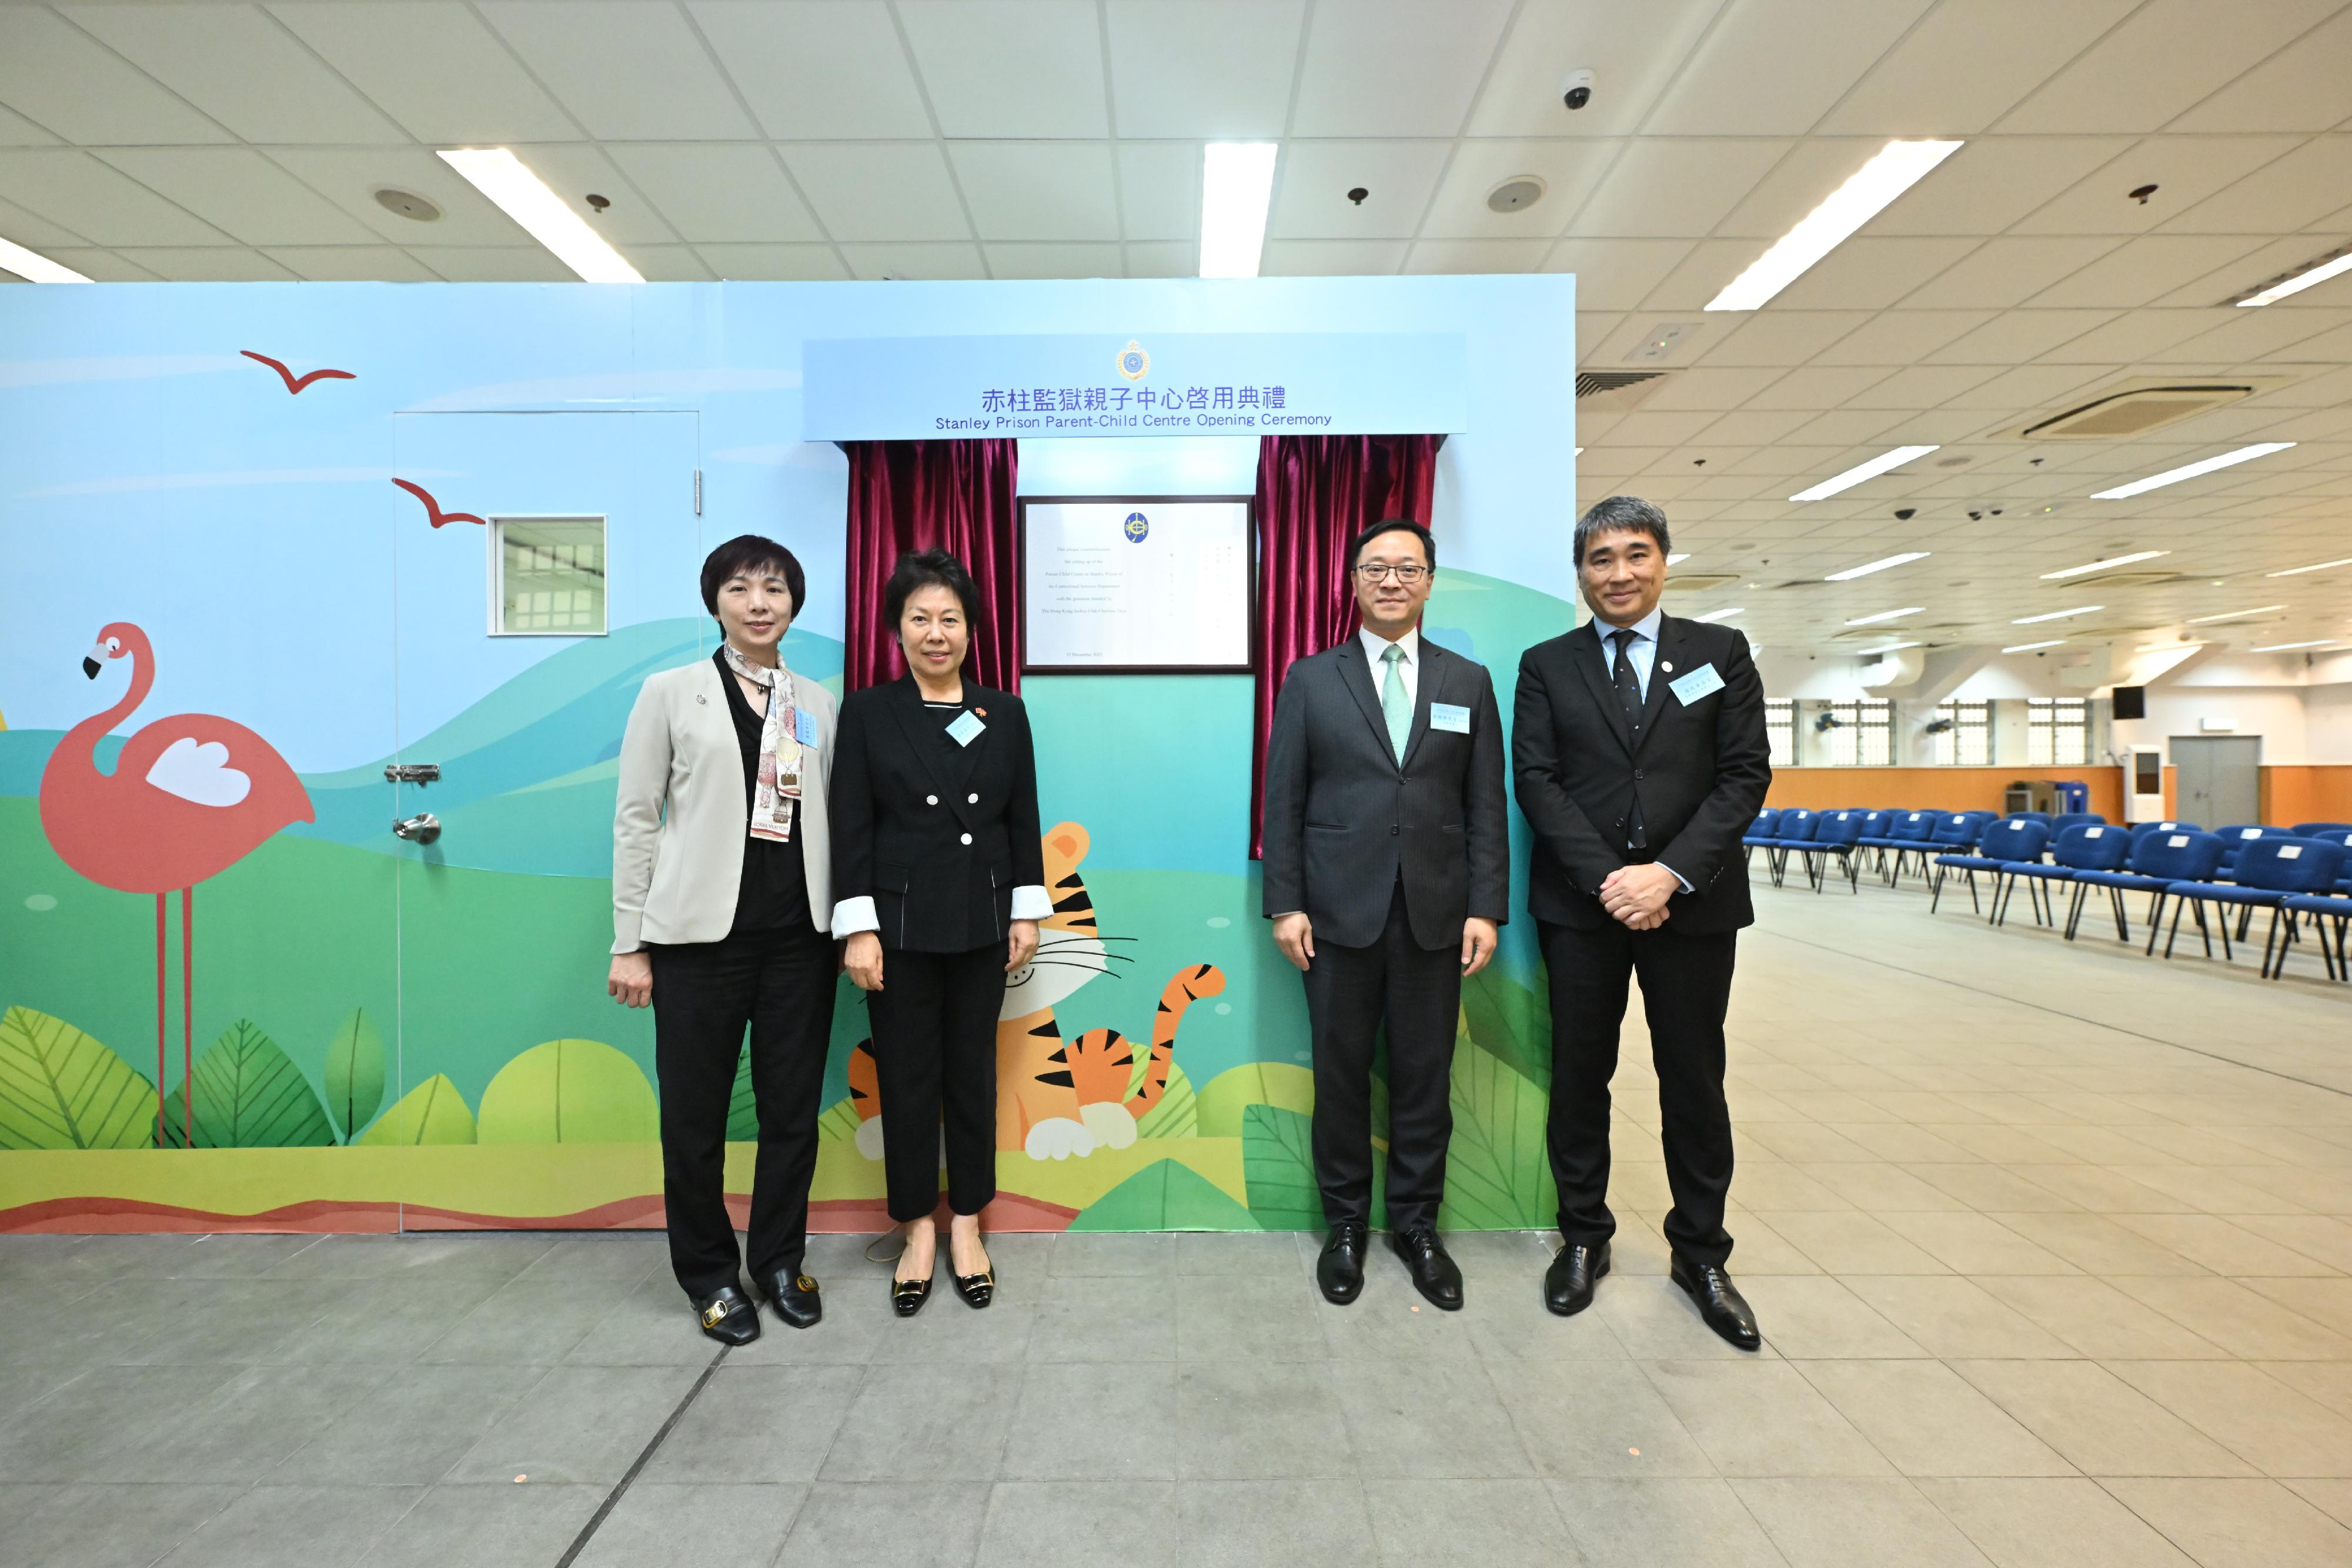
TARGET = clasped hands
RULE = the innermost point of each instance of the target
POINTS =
(861, 955)
(1635, 895)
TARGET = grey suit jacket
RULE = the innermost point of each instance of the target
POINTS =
(676, 871)
(1344, 819)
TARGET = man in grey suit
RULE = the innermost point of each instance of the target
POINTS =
(1387, 873)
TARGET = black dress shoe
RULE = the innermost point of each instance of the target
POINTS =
(1575, 1269)
(908, 1296)
(726, 1316)
(1720, 1304)
(1340, 1270)
(794, 1297)
(1432, 1270)
(977, 1290)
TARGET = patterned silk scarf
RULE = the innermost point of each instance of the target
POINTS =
(779, 781)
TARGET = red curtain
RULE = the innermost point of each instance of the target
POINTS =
(955, 496)
(1315, 495)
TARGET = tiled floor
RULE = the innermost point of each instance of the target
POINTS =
(2051, 1244)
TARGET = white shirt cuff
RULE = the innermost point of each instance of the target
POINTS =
(1030, 902)
(852, 915)
(1680, 878)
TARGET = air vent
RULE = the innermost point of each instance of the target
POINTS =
(2130, 408)
(1613, 392)
(1700, 582)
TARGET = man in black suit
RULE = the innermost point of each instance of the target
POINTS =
(1638, 742)
(1387, 873)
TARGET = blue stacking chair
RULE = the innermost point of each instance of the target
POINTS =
(2141, 829)
(2085, 847)
(1954, 840)
(1902, 833)
(1794, 832)
(2041, 817)
(2065, 819)
(2319, 830)
(2013, 844)
(2157, 861)
(1759, 832)
(2270, 870)
(1836, 834)
(1983, 856)
(2236, 836)
(2326, 913)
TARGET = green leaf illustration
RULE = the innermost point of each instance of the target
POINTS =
(742, 1106)
(354, 1072)
(431, 1113)
(1498, 1174)
(248, 1096)
(1224, 1099)
(839, 1122)
(1278, 1169)
(1178, 1113)
(1511, 1021)
(60, 1089)
(570, 1092)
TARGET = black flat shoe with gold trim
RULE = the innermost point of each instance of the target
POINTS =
(794, 1297)
(908, 1296)
(726, 1316)
(977, 1290)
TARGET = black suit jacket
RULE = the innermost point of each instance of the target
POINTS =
(1343, 818)
(1700, 773)
(937, 834)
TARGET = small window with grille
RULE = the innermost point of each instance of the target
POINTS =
(547, 577)
(1965, 739)
(1863, 736)
(2057, 732)
(1780, 730)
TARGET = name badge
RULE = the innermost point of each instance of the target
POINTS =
(1451, 716)
(1702, 682)
(803, 726)
(966, 729)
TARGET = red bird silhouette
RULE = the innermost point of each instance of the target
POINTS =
(294, 386)
(433, 511)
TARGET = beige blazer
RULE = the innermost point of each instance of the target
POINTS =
(676, 871)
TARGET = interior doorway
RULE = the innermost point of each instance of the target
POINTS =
(2219, 778)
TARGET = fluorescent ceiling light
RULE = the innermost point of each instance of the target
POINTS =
(2057, 614)
(2320, 271)
(1892, 647)
(1886, 615)
(1679, 558)
(1236, 186)
(524, 197)
(1898, 166)
(1850, 573)
(2282, 647)
(2029, 647)
(2231, 615)
(1861, 471)
(35, 268)
(2103, 564)
(1577, 452)
(2318, 566)
(2167, 647)
(1722, 615)
(2175, 476)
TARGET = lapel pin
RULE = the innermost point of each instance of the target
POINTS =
(1668, 667)
(980, 713)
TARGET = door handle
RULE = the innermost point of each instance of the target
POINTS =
(413, 773)
(420, 828)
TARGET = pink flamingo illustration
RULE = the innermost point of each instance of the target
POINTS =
(190, 796)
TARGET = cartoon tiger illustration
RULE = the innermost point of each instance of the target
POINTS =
(1056, 1097)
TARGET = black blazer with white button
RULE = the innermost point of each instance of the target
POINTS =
(937, 834)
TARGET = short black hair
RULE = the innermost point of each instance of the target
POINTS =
(749, 555)
(1394, 526)
(1622, 514)
(928, 569)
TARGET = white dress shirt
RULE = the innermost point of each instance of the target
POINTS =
(1376, 648)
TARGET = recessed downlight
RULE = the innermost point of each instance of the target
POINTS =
(407, 205)
(1516, 194)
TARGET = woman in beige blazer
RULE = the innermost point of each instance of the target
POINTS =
(722, 898)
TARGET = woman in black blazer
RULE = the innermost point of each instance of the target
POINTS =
(939, 881)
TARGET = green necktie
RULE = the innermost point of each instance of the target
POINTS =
(1395, 707)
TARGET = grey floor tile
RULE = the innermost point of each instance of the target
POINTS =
(391, 1321)
(1493, 1523)
(242, 1430)
(77, 1434)
(1666, 1521)
(2095, 1319)
(1104, 1317)
(1763, 1418)
(947, 1333)
(925, 1423)
(1275, 1524)
(621, 1257)
(526, 1322)
(494, 1525)
(1244, 1319)
(1597, 1419)
(1653, 1320)
(2051, 1523)
(1441, 1419)
(104, 1525)
(232, 1321)
(1928, 1421)
(229, 1256)
(1073, 1524)
(756, 1424)
(2332, 1497)
(1095, 1421)
(295, 1527)
(2242, 1321)
(577, 1424)
(2258, 1417)
(650, 1324)
(1111, 1252)
(903, 1525)
(658, 1526)
(856, 1318)
(491, 1256)
(2239, 1524)
(1826, 1522)
(1268, 1420)
(2097, 1422)
(26, 1384)
(1397, 1326)
(1261, 1254)
(1818, 1315)
(1947, 1316)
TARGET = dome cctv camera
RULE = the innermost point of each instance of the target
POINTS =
(1576, 88)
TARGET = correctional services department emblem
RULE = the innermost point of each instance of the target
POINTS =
(1138, 528)
(1133, 362)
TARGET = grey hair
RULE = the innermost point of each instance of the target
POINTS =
(1623, 513)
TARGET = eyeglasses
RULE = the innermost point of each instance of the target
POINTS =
(1407, 574)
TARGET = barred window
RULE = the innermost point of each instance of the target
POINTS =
(1865, 734)
(1966, 740)
(2057, 732)
(1780, 730)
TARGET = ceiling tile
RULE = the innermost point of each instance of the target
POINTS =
(1995, 181)
(350, 264)
(57, 74)
(1773, 67)
(1872, 274)
(575, 172)
(1818, 388)
(493, 263)
(1660, 427)
(15, 130)
(2164, 58)
(433, 67)
(1967, 63)
(948, 260)
(630, 70)
(1784, 336)
(1902, 337)
(1633, 51)
(240, 193)
(76, 192)
(1312, 182)
(2016, 336)
(1394, 68)
(2025, 391)
(33, 232)
(1009, 68)
(2243, 335)
(1476, 255)
(1615, 274)
(1208, 69)
(1842, 426)
(242, 68)
(1634, 331)
(1710, 387)
(350, 177)
(2184, 169)
(1163, 258)
(668, 263)
(1160, 190)
(796, 263)
(1037, 190)
(1570, 171)
(1063, 260)
(2006, 271)
(207, 264)
(1665, 188)
(879, 191)
(2264, 264)
(1921, 386)
(721, 191)
(2301, 87)
(1799, 182)
(2144, 269)
(102, 267)
(1700, 275)
(2136, 334)
(815, 70)
(2295, 191)
(1331, 257)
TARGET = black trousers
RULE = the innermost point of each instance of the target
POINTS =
(935, 1059)
(780, 984)
(1686, 990)
(1351, 992)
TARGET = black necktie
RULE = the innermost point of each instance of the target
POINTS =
(1629, 693)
